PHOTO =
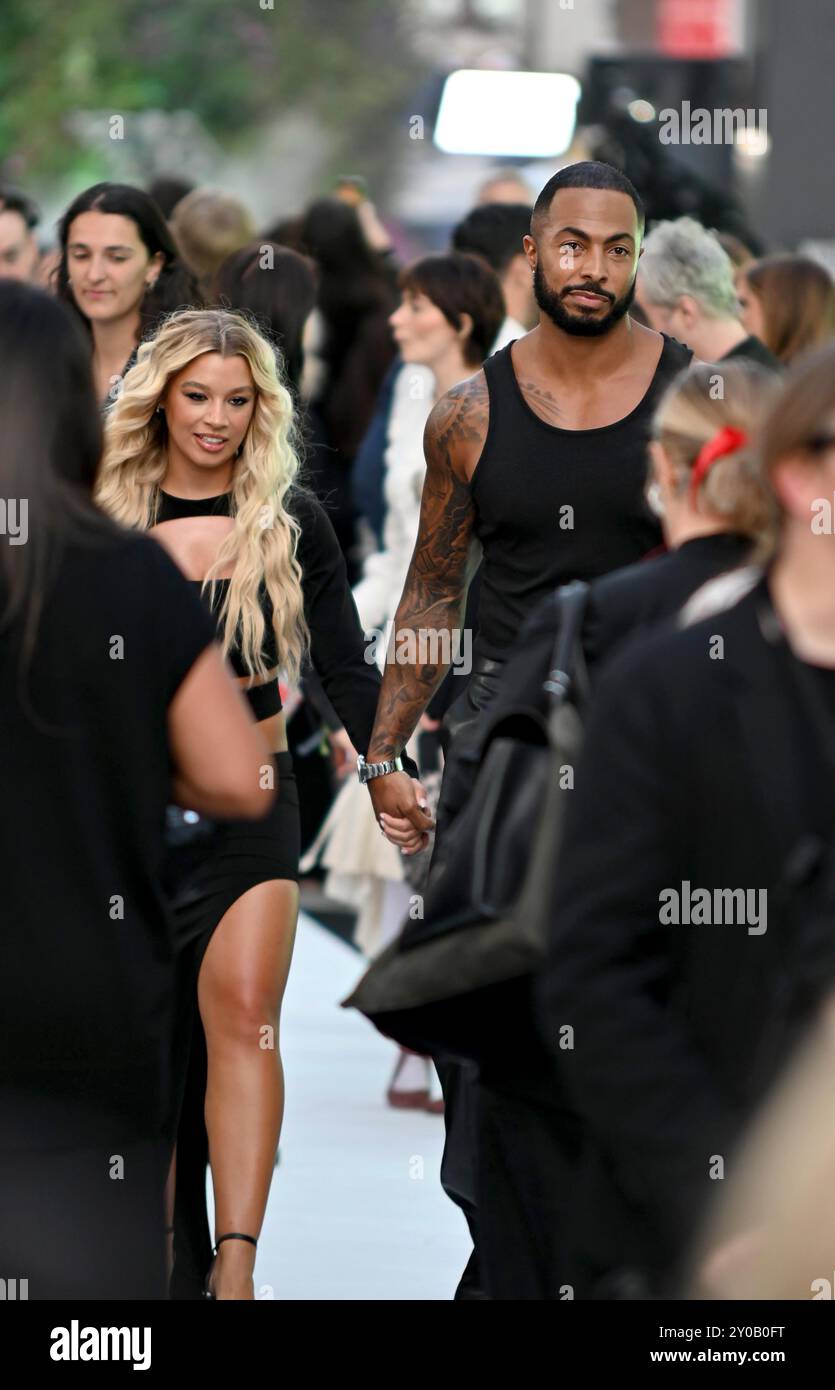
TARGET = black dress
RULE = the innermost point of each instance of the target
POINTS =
(237, 855)
(86, 950)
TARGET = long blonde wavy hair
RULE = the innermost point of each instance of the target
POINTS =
(264, 537)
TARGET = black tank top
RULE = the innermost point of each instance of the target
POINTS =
(554, 505)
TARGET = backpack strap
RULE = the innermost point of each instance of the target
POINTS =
(568, 673)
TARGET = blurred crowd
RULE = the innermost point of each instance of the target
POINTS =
(676, 1047)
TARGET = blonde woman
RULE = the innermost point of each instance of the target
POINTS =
(199, 451)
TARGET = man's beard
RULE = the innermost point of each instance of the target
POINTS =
(579, 324)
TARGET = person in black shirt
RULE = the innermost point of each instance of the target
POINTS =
(686, 287)
(540, 457)
(106, 661)
(707, 774)
(200, 450)
(716, 509)
(709, 530)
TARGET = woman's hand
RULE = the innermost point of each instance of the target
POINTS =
(343, 753)
(401, 809)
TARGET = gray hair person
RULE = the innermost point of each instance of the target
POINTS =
(686, 288)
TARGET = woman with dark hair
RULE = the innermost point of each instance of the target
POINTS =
(107, 660)
(278, 286)
(121, 271)
(355, 297)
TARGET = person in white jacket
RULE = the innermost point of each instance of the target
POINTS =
(451, 312)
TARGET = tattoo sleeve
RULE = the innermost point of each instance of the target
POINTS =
(428, 618)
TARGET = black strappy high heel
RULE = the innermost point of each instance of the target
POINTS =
(230, 1235)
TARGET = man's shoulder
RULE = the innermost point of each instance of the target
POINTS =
(457, 424)
(675, 356)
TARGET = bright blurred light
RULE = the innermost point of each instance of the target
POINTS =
(751, 142)
(507, 113)
(641, 110)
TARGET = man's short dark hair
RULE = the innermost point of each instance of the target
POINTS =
(494, 231)
(12, 201)
(588, 173)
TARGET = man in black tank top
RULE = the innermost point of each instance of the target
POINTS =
(540, 457)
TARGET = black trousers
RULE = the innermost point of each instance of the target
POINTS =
(459, 1080)
(529, 1148)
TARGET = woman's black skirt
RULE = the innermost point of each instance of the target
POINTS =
(205, 874)
(208, 873)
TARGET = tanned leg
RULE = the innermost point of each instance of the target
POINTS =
(239, 990)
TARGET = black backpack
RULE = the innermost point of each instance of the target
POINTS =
(471, 958)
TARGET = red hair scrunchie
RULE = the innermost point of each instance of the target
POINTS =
(725, 441)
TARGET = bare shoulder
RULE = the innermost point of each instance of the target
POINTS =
(457, 426)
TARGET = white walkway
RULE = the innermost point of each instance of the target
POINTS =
(356, 1209)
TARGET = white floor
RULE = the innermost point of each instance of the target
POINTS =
(356, 1210)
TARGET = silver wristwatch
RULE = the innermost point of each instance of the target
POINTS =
(367, 771)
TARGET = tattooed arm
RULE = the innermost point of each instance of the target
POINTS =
(433, 595)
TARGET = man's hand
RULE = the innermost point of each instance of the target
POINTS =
(400, 807)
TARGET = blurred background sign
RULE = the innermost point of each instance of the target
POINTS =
(522, 114)
(699, 28)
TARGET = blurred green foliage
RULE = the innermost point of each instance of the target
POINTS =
(233, 63)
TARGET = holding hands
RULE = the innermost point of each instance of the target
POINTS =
(400, 806)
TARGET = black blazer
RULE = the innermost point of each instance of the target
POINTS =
(701, 769)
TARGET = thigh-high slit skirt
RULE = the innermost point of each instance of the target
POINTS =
(235, 856)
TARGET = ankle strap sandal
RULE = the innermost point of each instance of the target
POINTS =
(230, 1235)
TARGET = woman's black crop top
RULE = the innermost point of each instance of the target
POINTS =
(337, 642)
